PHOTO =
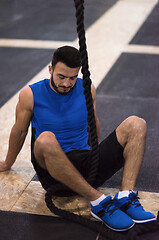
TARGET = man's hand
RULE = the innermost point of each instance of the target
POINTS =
(3, 167)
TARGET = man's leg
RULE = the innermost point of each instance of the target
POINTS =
(131, 134)
(50, 156)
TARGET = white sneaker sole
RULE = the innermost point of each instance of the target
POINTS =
(144, 221)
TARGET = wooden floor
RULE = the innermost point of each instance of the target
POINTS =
(32, 200)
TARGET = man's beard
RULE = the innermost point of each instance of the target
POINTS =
(56, 88)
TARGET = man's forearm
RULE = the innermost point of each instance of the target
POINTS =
(98, 129)
(16, 141)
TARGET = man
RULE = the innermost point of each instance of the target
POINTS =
(56, 108)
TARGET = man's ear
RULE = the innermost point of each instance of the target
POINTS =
(50, 69)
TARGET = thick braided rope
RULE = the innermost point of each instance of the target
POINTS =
(93, 225)
(79, 5)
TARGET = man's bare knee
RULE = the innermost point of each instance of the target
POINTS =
(136, 125)
(44, 144)
(46, 140)
(131, 127)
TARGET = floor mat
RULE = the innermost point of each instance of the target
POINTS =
(23, 226)
(26, 226)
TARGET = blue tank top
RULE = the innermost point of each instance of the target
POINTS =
(64, 115)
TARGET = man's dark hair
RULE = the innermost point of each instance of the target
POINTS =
(68, 55)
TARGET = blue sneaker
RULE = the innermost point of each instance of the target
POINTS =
(111, 216)
(132, 207)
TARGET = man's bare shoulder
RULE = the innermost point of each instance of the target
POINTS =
(26, 98)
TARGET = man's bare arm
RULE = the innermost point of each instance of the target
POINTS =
(95, 112)
(93, 91)
(20, 128)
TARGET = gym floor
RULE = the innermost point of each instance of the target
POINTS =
(123, 48)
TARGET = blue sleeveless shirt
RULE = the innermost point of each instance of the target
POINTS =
(64, 115)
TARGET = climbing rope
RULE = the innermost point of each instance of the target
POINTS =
(60, 189)
(93, 225)
(79, 5)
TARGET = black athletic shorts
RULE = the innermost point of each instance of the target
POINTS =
(110, 161)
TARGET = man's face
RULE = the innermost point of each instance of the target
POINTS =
(63, 78)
